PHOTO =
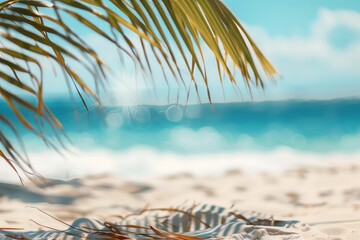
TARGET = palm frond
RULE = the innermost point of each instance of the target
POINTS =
(173, 32)
(194, 222)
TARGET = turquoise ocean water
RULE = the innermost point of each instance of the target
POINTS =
(318, 126)
(306, 127)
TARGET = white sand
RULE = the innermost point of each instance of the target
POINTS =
(325, 200)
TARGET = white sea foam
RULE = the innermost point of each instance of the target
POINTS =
(142, 163)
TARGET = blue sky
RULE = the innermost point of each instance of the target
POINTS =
(315, 45)
(284, 17)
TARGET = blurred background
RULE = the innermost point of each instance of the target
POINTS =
(308, 116)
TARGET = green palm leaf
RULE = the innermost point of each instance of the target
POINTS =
(32, 31)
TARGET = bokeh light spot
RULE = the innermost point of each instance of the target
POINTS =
(174, 113)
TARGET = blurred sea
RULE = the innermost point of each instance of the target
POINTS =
(194, 131)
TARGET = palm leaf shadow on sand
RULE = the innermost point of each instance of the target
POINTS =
(13, 191)
(195, 222)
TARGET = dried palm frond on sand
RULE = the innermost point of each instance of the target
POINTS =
(183, 222)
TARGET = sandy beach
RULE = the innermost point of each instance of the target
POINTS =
(326, 200)
(179, 120)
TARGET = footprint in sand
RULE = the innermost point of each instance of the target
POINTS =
(233, 172)
(135, 188)
(293, 197)
(352, 194)
(241, 188)
(326, 193)
(208, 191)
